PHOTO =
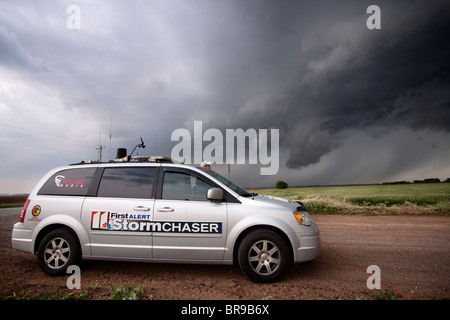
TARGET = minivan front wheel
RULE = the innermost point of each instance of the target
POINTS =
(57, 251)
(263, 256)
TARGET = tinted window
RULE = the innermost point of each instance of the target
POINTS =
(126, 182)
(182, 186)
(70, 182)
(229, 183)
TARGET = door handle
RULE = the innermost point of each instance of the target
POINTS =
(166, 209)
(141, 208)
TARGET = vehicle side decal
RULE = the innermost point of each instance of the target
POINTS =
(109, 221)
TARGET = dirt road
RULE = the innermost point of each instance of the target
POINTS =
(412, 252)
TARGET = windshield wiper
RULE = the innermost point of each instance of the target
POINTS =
(249, 194)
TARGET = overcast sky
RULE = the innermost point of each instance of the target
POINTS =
(352, 105)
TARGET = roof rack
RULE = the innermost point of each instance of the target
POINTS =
(122, 156)
(144, 159)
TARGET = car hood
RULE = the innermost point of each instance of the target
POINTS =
(290, 204)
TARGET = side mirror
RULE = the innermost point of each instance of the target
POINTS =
(215, 195)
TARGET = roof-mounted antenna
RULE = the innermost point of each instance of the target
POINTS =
(140, 145)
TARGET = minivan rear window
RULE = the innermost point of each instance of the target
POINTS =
(133, 182)
(69, 182)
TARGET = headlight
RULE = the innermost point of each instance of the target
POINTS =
(303, 217)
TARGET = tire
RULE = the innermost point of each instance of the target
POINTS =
(57, 251)
(263, 256)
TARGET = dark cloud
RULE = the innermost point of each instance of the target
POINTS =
(353, 78)
(15, 55)
(309, 68)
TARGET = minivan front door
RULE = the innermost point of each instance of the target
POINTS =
(186, 225)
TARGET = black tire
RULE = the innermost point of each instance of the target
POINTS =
(57, 251)
(263, 256)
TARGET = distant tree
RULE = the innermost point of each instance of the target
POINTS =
(397, 182)
(429, 180)
(448, 180)
(432, 180)
(281, 185)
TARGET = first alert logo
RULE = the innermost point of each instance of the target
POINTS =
(103, 220)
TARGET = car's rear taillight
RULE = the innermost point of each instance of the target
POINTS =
(24, 210)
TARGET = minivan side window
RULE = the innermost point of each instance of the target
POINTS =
(182, 186)
(69, 182)
(131, 182)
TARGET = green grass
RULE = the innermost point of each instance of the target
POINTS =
(426, 198)
(130, 292)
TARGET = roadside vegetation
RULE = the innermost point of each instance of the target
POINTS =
(421, 197)
(132, 292)
(12, 201)
(129, 292)
(407, 198)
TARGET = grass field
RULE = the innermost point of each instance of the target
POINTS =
(423, 198)
(12, 201)
(416, 198)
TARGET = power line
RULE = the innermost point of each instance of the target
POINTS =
(47, 134)
(40, 147)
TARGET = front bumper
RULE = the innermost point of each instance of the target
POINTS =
(309, 249)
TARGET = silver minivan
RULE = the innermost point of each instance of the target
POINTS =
(159, 211)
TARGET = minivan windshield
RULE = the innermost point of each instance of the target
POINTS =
(229, 183)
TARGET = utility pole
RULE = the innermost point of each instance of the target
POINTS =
(100, 148)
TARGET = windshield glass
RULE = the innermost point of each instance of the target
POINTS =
(228, 183)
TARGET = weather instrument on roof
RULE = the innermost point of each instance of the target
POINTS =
(121, 155)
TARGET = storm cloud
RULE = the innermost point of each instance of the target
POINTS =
(351, 78)
(353, 105)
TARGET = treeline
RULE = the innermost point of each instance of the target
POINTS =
(429, 180)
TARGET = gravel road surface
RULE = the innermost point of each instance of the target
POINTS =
(412, 253)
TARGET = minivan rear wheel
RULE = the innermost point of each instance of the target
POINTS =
(263, 256)
(57, 251)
